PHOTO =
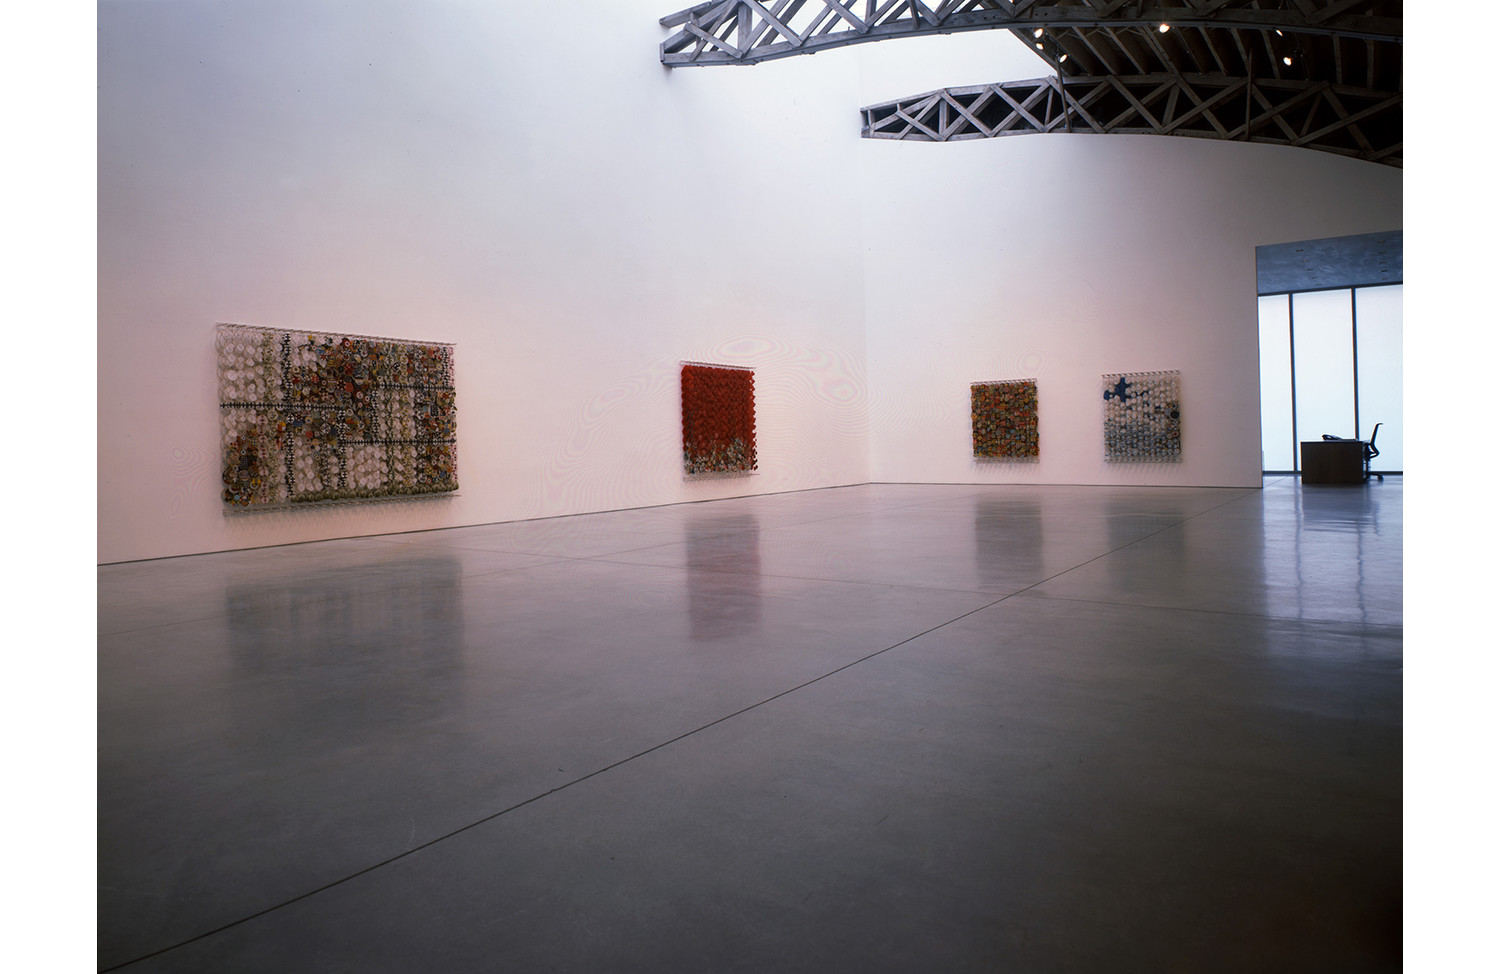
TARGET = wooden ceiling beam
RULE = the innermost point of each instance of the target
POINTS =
(1119, 39)
(783, 29)
(1218, 72)
(1195, 42)
(1110, 60)
(1184, 105)
(1275, 62)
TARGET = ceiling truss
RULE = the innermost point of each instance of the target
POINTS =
(1321, 74)
(1356, 122)
(751, 31)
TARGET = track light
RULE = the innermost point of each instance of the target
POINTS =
(1037, 32)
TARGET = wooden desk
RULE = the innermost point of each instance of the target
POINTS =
(1333, 462)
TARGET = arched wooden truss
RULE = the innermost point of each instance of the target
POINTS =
(1322, 74)
(1342, 119)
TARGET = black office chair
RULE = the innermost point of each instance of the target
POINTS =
(1371, 453)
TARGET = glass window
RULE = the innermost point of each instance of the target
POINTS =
(1330, 362)
(1277, 445)
(1378, 318)
(1323, 364)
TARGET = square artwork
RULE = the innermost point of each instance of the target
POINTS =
(1143, 416)
(718, 419)
(310, 417)
(1003, 415)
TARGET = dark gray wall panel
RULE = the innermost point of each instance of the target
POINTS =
(1368, 258)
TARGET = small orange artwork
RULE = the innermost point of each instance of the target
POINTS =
(1003, 419)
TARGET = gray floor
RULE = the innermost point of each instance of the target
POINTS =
(879, 728)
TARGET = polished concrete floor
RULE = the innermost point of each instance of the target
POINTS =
(867, 729)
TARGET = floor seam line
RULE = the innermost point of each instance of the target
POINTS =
(538, 797)
(592, 774)
(918, 651)
(1219, 612)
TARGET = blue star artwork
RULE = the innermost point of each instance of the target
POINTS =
(1143, 417)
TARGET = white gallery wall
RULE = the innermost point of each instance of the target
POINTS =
(527, 182)
(523, 180)
(1061, 258)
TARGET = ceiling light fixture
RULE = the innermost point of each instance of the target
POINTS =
(1037, 32)
(1287, 61)
(1163, 28)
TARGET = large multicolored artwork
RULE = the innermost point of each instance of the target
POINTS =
(718, 419)
(1143, 416)
(309, 417)
(1003, 415)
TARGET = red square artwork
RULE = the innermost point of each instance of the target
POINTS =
(718, 419)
